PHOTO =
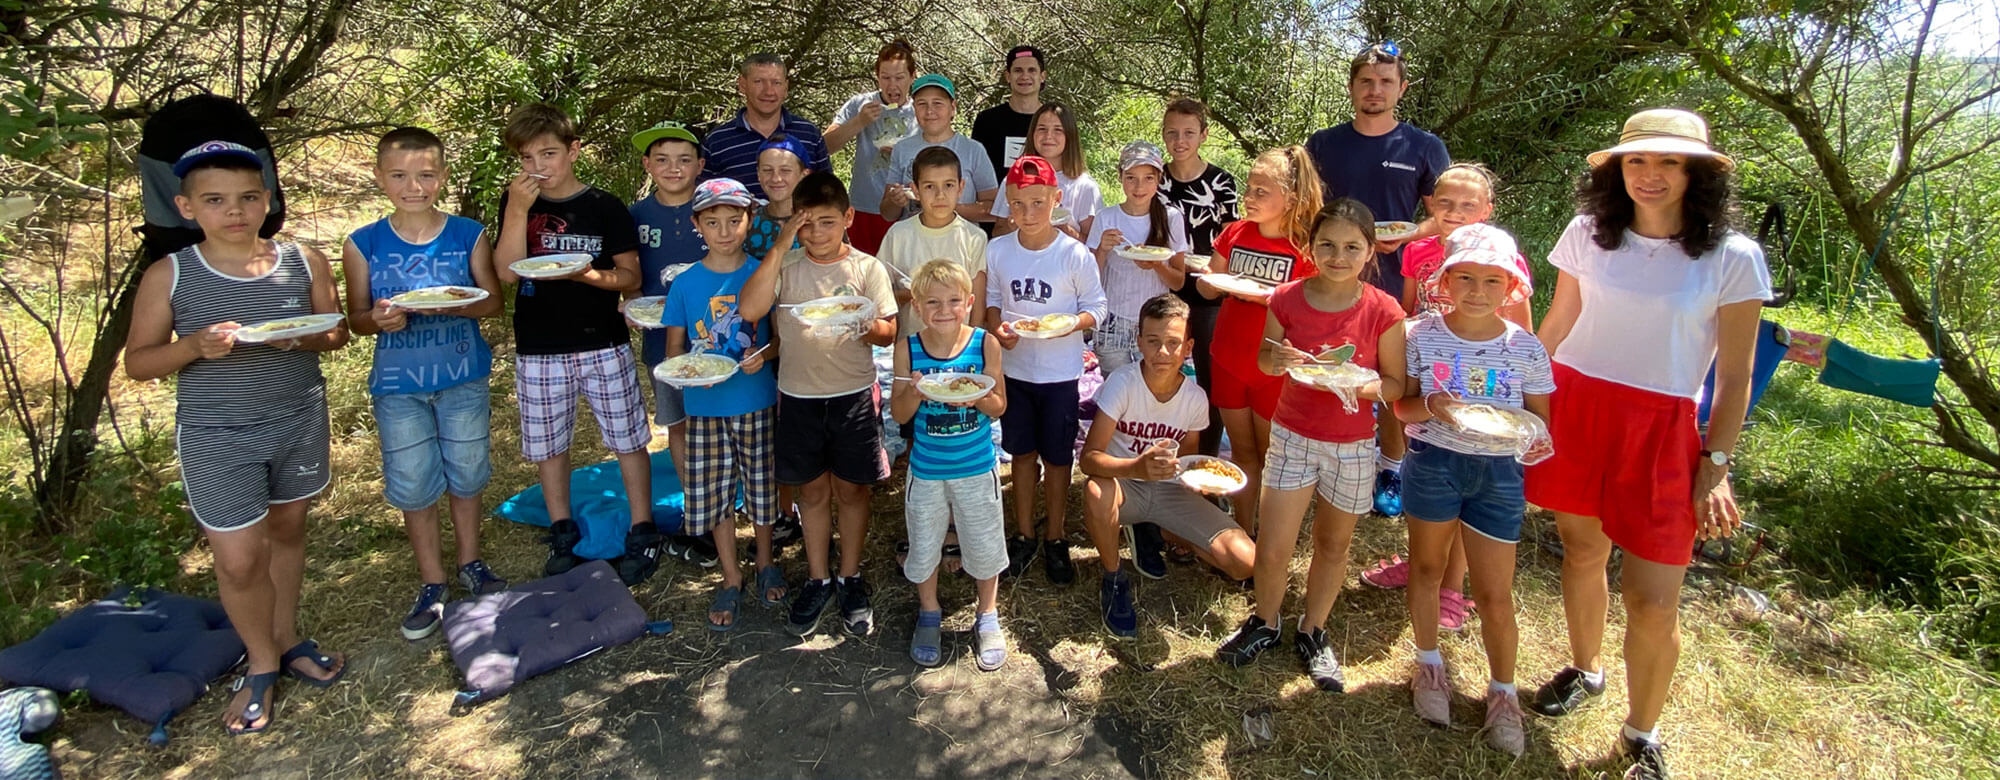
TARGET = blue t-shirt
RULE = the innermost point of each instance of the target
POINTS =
(951, 441)
(1388, 173)
(668, 245)
(704, 302)
(432, 352)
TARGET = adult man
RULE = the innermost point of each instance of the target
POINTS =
(730, 148)
(1003, 129)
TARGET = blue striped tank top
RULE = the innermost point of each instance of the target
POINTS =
(951, 441)
(254, 382)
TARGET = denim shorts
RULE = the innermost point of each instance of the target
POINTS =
(433, 442)
(1482, 491)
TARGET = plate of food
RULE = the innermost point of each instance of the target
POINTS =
(1048, 326)
(1239, 285)
(288, 328)
(695, 369)
(1331, 376)
(1497, 423)
(1395, 230)
(647, 310)
(1060, 216)
(1196, 262)
(833, 309)
(1207, 474)
(1143, 253)
(549, 266)
(449, 296)
(954, 387)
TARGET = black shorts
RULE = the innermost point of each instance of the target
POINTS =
(842, 434)
(1040, 419)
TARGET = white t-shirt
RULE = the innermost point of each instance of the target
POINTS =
(871, 157)
(1061, 277)
(1142, 418)
(1128, 285)
(1080, 195)
(909, 245)
(973, 165)
(1648, 316)
(1499, 372)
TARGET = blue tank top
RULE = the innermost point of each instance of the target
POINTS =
(951, 441)
(432, 352)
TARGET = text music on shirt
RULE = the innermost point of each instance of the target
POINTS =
(1262, 266)
(1031, 289)
(1150, 431)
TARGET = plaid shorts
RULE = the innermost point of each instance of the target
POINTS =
(606, 378)
(1344, 471)
(723, 447)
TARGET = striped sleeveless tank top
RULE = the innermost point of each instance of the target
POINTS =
(254, 382)
(951, 441)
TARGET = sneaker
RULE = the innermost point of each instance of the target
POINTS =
(1564, 694)
(1251, 639)
(1115, 601)
(1453, 610)
(855, 613)
(1649, 759)
(1504, 731)
(562, 539)
(698, 550)
(426, 614)
(1149, 550)
(807, 606)
(642, 554)
(1389, 493)
(1322, 666)
(1020, 553)
(787, 530)
(1056, 563)
(1388, 574)
(479, 580)
(1430, 692)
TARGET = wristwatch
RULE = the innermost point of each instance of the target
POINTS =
(1718, 457)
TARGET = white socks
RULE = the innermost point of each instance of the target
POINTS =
(1386, 463)
(1595, 679)
(1646, 737)
(1431, 657)
(1496, 685)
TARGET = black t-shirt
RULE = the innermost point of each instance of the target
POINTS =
(563, 316)
(1004, 132)
(1209, 202)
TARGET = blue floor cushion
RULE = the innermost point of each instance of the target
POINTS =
(501, 639)
(152, 660)
(598, 504)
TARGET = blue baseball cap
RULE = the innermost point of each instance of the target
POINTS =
(934, 80)
(213, 150)
(722, 192)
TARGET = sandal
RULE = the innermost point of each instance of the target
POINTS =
(771, 578)
(926, 643)
(951, 560)
(990, 641)
(260, 687)
(727, 598)
(309, 650)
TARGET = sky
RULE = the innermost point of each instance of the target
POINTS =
(1967, 27)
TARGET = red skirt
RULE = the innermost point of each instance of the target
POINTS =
(867, 232)
(1625, 456)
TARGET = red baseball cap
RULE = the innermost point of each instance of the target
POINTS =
(1031, 171)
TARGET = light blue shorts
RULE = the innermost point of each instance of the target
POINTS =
(433, 442)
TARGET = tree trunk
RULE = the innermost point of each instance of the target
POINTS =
(69, 460)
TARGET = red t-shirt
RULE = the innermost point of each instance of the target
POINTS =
(1310, 411)
(1239, 328)
(1421, 258)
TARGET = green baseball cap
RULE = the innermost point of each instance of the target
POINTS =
(934, 80)
(669, 129)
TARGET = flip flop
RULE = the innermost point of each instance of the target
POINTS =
(727, 598)
(309, 650)
(771, 578)
(260, 685)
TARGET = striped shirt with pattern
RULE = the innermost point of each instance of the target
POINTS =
(951, 441)
(254, 382)
(1497, 372)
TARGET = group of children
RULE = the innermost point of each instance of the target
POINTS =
(808, 431)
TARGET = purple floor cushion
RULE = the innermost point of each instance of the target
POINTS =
(500, 639)
(152, 660)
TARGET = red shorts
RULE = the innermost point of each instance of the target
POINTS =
(1625, 456)
(867, 231)
(1231, 391)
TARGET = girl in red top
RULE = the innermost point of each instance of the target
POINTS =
(1266, 246)
(1318, 445)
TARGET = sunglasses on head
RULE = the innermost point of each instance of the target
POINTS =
(1390, 48)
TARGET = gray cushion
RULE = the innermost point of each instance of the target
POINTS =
(500, 639)
(152, 660)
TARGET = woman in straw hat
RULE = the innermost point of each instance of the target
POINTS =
(1654, 287)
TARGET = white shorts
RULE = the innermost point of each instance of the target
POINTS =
(1344, 471)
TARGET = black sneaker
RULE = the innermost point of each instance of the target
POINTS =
(642, 554)
(807, 606)
(1649, 759)
(698, 550)
(426, 614)
(1149, 550)
(1056, 563)
(1251, 639)
(855, 613)
(787, 530)
(1020, 553)
(480, 580)
(1564, 694)
(562, 538)
(1321, 664)
(1115, 601)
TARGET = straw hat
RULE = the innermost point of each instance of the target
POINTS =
(1667, 131)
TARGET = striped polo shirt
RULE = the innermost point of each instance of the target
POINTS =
(730, 149)
(951, 441)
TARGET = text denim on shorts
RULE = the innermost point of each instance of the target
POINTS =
(1344, 471)
(1486, 492)
(1175, 508)
(434, 442)
(606, 378)
(723, 452)
(233, 474)
(972, 504)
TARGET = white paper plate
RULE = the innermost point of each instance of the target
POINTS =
(539, 268)
(713, 370)
(447, 296)
(1240, 285)
(288, 328)
(1059, 216)
(1198, 263)
(1394, 230)
(652, 307)
(1145, 254)
(834, 309)
(1343, 375)
(934, 387)
(1208, 482)
(1052, 326)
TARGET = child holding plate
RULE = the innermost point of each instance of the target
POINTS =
(1140, 244)
(405, 275)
